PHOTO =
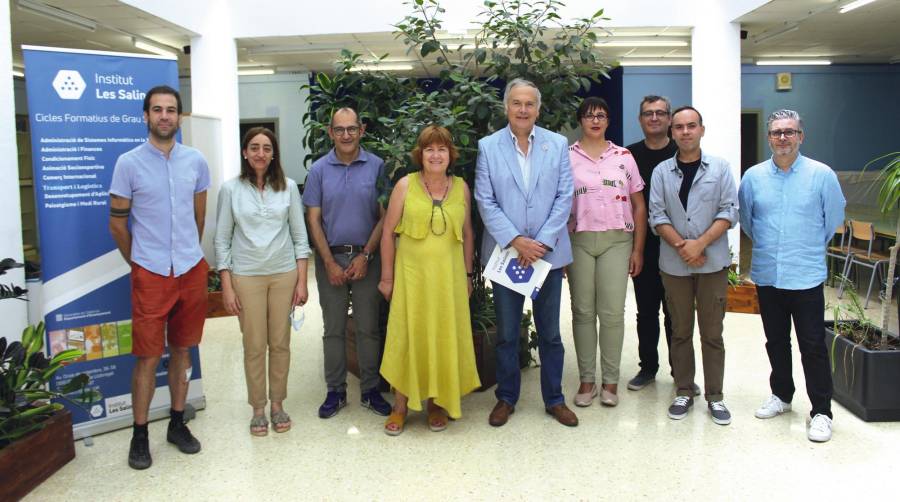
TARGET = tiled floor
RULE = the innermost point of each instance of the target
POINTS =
(631, 452)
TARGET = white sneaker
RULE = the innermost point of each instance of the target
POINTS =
(819, 429)
(773, 406)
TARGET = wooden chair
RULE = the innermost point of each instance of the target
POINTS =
(863, 233)
(839, 252)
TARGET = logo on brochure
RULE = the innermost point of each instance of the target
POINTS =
(518, 274)
(69, 84)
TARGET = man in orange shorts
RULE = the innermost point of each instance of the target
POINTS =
(161, 186)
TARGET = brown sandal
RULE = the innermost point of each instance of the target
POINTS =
(397, 420)
(437, 419)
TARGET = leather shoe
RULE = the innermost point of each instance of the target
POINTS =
(500, 414)
(563, 415)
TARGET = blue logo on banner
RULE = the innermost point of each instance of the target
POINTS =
(518, 274)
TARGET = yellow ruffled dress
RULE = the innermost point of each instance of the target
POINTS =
(428, 351)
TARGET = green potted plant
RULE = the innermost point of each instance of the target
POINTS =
(35, 432)
(515, 39)
(865, 356)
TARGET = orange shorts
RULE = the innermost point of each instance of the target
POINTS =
(162, 308)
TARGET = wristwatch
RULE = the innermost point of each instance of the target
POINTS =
(368, 256)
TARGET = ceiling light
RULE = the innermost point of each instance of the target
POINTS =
(256, 71)
(855, 5)
(292, 49)
(56, 14)
(769, 35)
(655, 62)
(382, 67)
(642, 43)
(17, 73)
(792, 62)
(146, 45)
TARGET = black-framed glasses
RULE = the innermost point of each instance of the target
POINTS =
(339, 131)
(597, 116)
(648, 114)
(787, 133)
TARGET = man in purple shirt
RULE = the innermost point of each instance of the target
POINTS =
(161, 187)
(345, 225)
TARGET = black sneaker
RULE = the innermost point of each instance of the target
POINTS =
(139, 454)
(680, 407)
(719, 412)
(181, 436)
(334, 401)
(640, 381)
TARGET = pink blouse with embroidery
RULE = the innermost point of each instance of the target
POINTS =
(603, 189)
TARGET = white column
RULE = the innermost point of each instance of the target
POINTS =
(716, 87)
(214, 81)
(13, 312)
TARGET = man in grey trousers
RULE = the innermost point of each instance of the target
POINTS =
(345, 221)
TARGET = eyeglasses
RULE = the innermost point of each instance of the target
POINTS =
(648, 114)
(787, 133)
(597, 116)
(339, 131)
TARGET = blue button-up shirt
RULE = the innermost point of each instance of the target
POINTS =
(790, 216)
(164, 237)
(713, 196)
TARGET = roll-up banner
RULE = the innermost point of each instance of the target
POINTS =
(85, 109)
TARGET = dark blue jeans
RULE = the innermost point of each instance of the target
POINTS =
(508, 306)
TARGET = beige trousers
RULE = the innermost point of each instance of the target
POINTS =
(598, 279)
(265, 307)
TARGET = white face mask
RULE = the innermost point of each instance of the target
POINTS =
(297, 318)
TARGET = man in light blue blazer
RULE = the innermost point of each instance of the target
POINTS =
(523, 187)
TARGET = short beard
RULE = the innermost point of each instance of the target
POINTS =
(162, 137)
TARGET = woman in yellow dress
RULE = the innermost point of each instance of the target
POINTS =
(426, 274)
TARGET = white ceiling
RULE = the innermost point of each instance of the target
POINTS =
(866, 35)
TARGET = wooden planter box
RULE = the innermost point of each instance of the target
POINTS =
(29, 461)
(865, 381)
(215, 306)
(742, 299)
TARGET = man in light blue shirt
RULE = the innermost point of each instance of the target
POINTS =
(791, 206)
(160, 186)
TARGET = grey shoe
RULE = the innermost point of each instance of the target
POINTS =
(640, 381)
(695, 389)
(719, 412)
(680, 407)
